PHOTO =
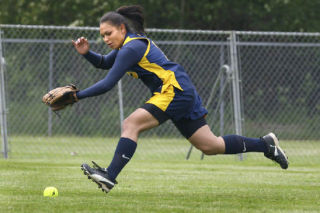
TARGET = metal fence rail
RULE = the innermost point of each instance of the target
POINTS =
(272, 83)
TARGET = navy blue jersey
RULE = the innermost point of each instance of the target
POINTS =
(141, 58)
(154, 68)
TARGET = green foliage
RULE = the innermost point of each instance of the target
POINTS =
(262, 15)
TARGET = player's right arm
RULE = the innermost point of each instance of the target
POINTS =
(99, 61)
(128, 56)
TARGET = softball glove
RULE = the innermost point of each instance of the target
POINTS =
(59, 98)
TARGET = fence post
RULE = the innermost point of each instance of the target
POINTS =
(3, 110)
(222, 82)
(235, 85)
(120, 103)
(50, 87)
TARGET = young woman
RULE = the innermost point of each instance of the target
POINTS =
(174, 96)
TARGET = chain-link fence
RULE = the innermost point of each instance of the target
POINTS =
(251, 83)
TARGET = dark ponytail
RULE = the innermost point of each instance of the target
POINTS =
(131, 16)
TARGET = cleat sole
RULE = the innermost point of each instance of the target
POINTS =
(102, 186)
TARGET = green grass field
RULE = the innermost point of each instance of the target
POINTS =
(158, 178)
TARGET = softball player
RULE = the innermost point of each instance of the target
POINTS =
(174, 96)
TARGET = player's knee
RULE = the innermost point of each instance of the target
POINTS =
(129, 125)
(126, 124)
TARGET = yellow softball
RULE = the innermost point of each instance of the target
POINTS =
(50, 191)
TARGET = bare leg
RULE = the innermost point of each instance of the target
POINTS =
(139, 121)
(204, 140)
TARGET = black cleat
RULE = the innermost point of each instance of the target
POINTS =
(274, 152)
(99, 176)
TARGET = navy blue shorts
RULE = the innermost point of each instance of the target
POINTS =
(184, 108)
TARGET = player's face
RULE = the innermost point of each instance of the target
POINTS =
(112, 35)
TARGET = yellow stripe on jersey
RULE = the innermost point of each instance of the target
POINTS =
(163, 99)
(133, 74)
(167, 76)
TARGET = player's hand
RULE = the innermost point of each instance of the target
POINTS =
(81, 45)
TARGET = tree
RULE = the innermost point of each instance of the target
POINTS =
(258, 15)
